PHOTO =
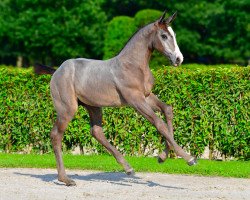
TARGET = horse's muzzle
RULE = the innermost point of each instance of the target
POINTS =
(175, 60)
(178, 60)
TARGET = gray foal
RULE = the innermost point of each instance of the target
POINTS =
(124, 80)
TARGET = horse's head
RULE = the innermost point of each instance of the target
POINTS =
(165, 40)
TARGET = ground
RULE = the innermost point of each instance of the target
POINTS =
(42, 184)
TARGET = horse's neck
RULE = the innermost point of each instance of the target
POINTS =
(137, 51)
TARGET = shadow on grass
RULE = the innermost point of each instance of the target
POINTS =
(115, 178)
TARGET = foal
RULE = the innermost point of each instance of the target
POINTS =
(124, 80)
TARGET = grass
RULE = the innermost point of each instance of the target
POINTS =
(239, 169)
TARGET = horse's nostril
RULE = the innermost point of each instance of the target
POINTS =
(178, 60)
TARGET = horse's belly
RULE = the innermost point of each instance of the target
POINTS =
(95, 86)
(103, 98)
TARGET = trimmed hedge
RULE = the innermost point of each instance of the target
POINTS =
(211, 108)
(119, 30)
(146, 16)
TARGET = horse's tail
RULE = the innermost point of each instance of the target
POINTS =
(43, 69)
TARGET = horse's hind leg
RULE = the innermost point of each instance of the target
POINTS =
(56, 136)
(158, 105)
(65, 105)
(95, 114)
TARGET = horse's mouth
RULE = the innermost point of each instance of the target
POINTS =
(174, 64)
(169, 57)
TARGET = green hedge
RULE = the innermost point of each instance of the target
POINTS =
(119, 30)
(211, 108)
(144, 17)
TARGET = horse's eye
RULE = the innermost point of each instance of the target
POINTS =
(164, 36)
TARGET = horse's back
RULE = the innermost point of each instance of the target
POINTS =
(92, 81)
(72, 67)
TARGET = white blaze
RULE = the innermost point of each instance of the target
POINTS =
(172, 42)
(177, 52)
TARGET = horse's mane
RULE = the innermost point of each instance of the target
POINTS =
(142, 30)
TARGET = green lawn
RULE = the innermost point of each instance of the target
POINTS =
(107, 163)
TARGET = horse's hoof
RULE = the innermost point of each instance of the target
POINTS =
(193, 161)
(70, 183)
(130, 172)
(160, 160)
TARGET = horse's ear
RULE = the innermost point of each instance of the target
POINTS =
(171, 18)
(161, 20)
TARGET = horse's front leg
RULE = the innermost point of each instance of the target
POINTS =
(138, 101)
(167, 110)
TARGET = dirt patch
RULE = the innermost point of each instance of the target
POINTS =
(42, 184)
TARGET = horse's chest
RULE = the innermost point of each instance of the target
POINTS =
(148, 83)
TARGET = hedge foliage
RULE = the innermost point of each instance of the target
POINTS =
(119, 30)
(211, 108)
(146, 16)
